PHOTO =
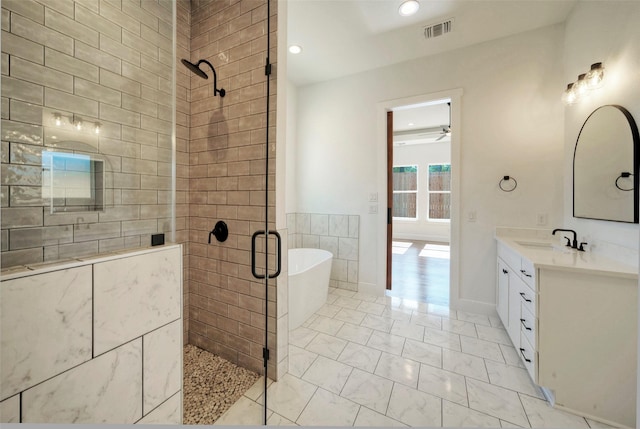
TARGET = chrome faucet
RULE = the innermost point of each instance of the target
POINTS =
(573, 244)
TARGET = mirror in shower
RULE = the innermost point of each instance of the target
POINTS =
(605, 166)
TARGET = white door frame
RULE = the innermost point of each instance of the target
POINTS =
(381, 146)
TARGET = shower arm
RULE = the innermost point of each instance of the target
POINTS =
(216, 91)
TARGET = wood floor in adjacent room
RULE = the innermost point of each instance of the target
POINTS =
(420, 271)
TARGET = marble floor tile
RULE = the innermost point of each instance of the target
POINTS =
(244, 412)
(407, 330)
(478, 319)
(511, 356)
(496, 401)
(328, 310)
(350, 316)
(331, 298)
(464, 364)
(328, 409)
(429, 321)
(459, 327)
(361, 357)
(444, 384)
(365, 297)
(542, 415)
(497, 335)
(370, 418)
(414, 408)
(300, 360)
(481, 348)
(342, 292)
(326, 325)
(368, 389)
(371, 308)
(255, 392)
(398, 369)
(309, 320)
(454, 415)
(513, 378)
(423, 352)
(397, 314)
(301, 336)
(288, 396)
(276, 419)
(436, 309)
(354, 333)
(326, 345)
(495, 322)
(597, 425)
(328, 374)
(444, 339)
(506, 424)
(346, 302)
(386, 342)
(378, 323)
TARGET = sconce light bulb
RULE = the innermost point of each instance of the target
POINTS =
(595, 75)
(569, 96)
(97, 128)
(78, 125)
(581, 86)
(58, 120)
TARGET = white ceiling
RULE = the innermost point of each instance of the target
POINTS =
(343, 37)
(421, 124)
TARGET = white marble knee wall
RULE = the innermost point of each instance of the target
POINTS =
(95, 341)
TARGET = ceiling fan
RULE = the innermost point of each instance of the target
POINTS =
(446, 131)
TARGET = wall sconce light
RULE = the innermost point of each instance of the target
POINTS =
(78, 125)
(595, 76)
(582, 87)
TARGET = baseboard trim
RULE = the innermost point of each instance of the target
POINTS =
(422, 237)
(477, 307)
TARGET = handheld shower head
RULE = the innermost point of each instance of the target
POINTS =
(195, 68)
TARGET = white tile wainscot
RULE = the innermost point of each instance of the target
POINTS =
(104, 340)
(573, 317)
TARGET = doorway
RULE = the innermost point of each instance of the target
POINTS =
(419, 196)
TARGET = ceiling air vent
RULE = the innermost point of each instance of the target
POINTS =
(440, 29)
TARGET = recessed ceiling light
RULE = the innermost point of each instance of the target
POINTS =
(410, 124)
(408, 7)
(295, 49)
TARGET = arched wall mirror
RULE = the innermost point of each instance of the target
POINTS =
(605, 166)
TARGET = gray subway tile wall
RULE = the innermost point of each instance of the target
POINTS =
(106, 63)
(337, 233)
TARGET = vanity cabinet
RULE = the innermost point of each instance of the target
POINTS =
(516, 304)
(572, 318)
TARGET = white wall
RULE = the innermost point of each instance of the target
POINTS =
(291, 152)
(595, 32)
(422, 155)
(511, 123)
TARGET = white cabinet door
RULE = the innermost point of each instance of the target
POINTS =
(502, 293)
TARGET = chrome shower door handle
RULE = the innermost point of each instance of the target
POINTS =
(278, 254)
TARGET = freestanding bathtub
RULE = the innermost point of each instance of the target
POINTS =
(309, 273)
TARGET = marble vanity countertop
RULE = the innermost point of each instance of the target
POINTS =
(547, 251)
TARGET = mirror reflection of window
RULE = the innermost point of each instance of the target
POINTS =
(72, 182)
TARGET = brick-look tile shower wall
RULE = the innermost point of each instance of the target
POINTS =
(107, 62)
(183, 113)
(227, 178)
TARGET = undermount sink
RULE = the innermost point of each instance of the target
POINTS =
(544, 245)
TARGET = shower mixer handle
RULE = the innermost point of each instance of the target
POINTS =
(220, 231)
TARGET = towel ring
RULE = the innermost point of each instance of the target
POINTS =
(507, 179)
(625, 175)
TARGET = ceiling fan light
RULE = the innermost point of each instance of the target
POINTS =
(408, 7)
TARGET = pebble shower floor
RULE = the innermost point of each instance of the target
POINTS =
(211, 385)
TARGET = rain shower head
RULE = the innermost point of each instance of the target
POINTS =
(195, 68)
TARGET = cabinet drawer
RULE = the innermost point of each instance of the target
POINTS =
(528, 273)
(529, 357)
(511, 258)
(528, 325)
(528, 299)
